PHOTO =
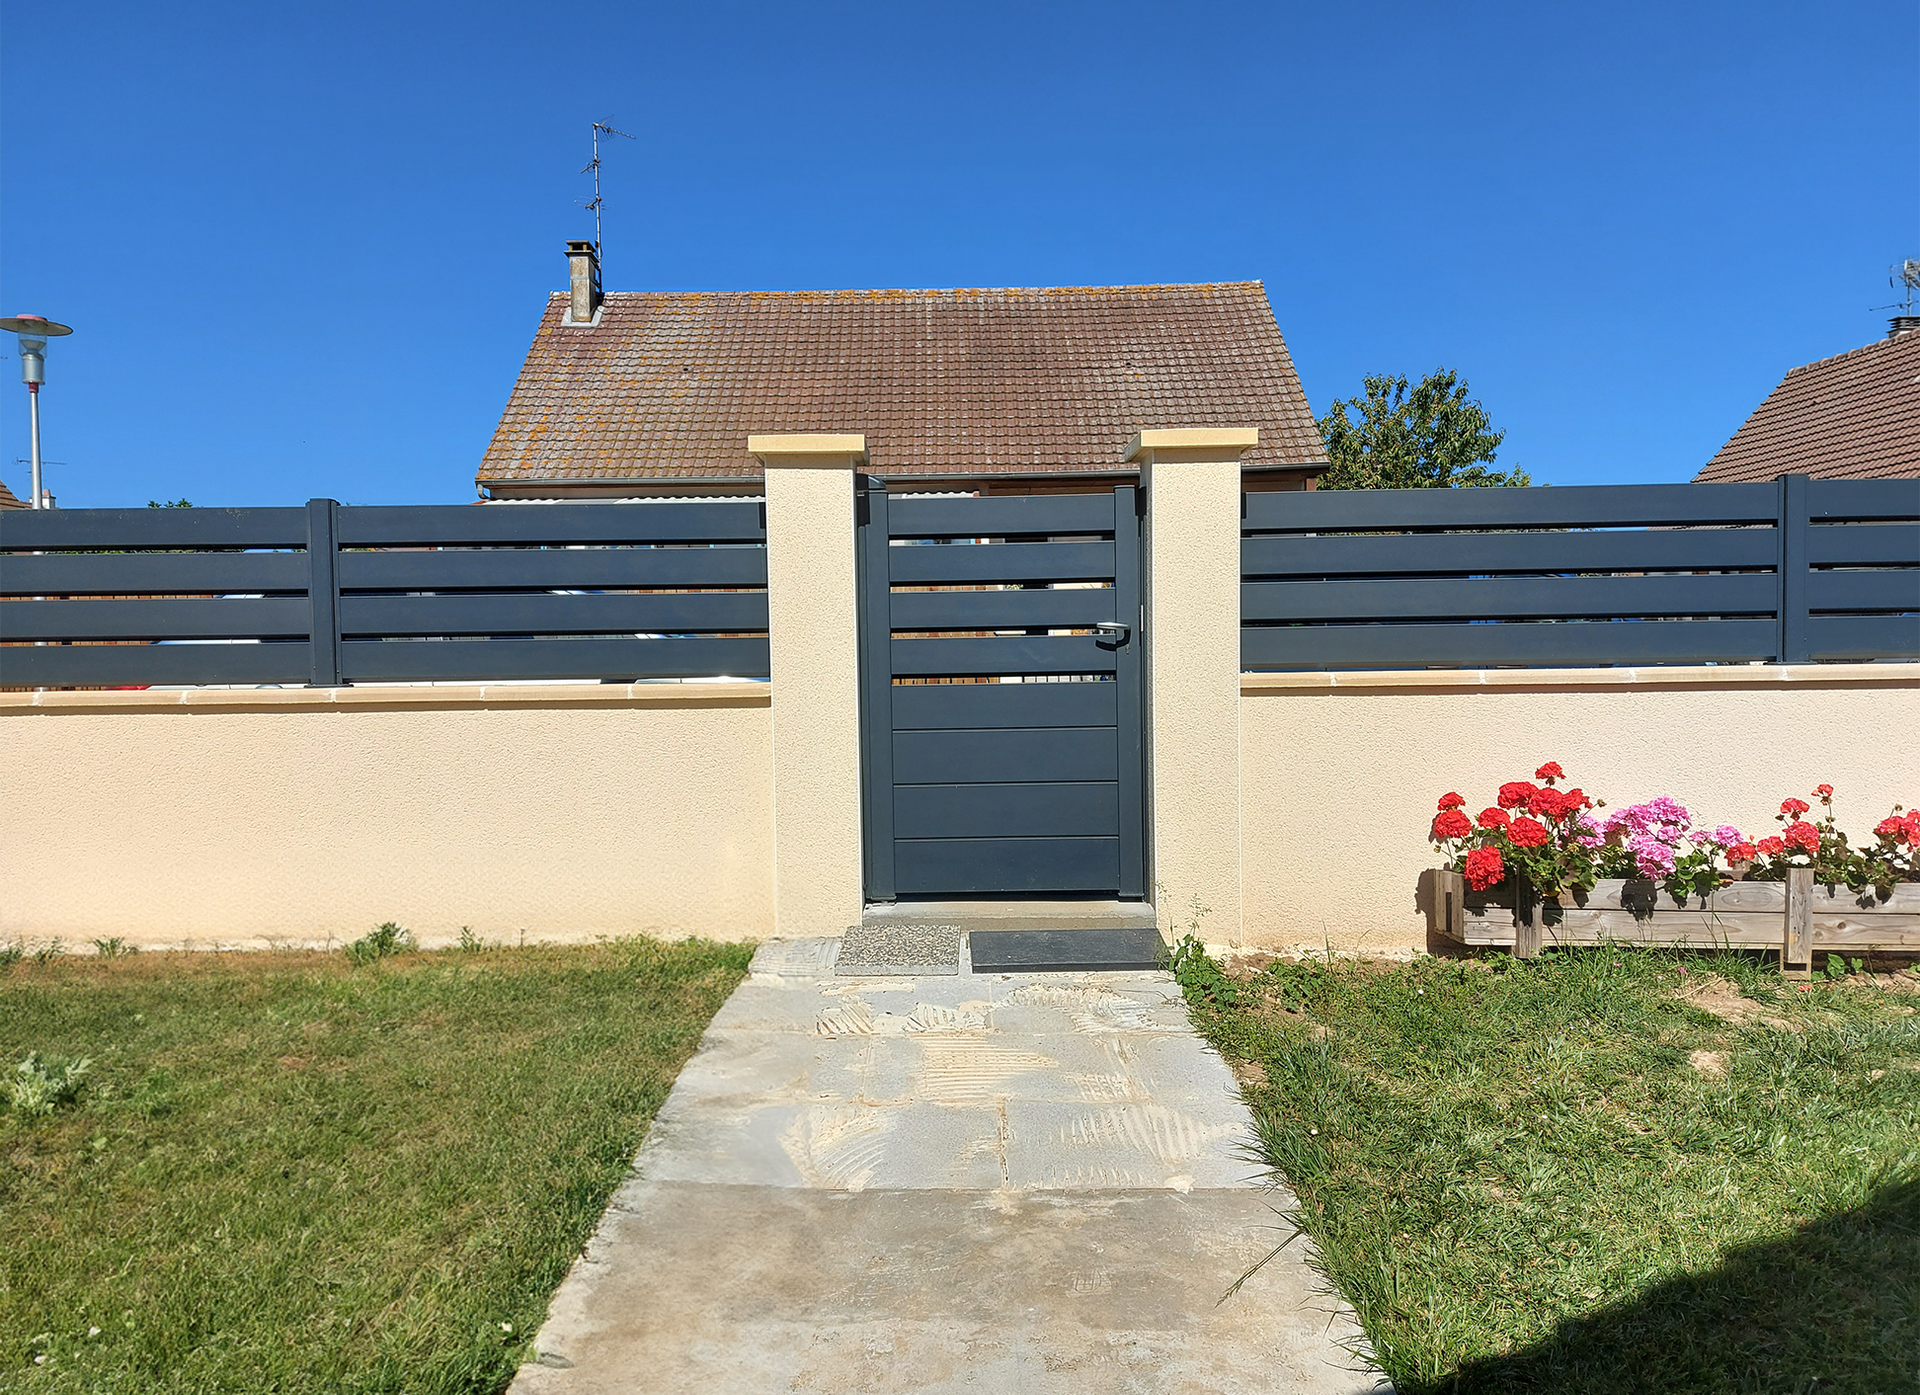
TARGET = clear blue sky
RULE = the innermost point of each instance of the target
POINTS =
(304, 246)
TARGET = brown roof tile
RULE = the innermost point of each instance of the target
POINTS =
(945, 382)
(1854, 416)
(8, 499)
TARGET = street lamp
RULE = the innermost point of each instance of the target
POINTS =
(34, 332)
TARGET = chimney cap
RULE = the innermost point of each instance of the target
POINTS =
(576, 246)
(1903, 324)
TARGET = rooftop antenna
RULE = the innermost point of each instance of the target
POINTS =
(1906, 278)
(600, 128)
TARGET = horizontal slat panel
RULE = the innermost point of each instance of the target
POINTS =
(1864, 545)
(667, 612)
(130, 573)
(938, 706)
(505, 569)
(1864, 590)
(916, 564)
(958, 867)
(1007, 811)
(1862, 638)
(619, 659)
(1706, 549)
(1023, 654)
(1625, 505)
(1507, 597)
(1010, 755)
(1000, 517)
(142, 528)
(551, 524)
(190, 619)
(1842, 499)
(1541, 643)
(147, 665)
(1000, 610)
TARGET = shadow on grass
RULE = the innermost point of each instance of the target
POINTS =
(1833, 1307)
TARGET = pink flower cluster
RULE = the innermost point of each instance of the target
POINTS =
(1652, 832)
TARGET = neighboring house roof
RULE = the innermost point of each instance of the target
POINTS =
(950, 383)
(8, 500)
(1854, 416)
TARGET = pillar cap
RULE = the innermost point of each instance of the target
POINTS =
(1195, 438)
(811, 448)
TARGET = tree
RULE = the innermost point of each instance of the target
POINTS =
(1428, 436)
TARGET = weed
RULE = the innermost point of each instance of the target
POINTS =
(49, 952)
(470, 943)
(1838, 967)
(113, 947)
(38, 1087)
(382, 942)
(12, 954)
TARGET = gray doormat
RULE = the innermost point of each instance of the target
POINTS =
(900, 949)
(1065, 951)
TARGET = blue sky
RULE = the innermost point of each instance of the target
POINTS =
(304, 247)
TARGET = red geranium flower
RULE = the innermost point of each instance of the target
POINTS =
(1741, 852)
(1825, 793)
(1794, 808)
(1802, 835)
(1575, 798)
(1450, 801)
(1891, 828)
(1450, 823)
(1548, 804)
(1550, 772)
(1772, 847)
(1515, 794)
(1495, 818)
(1528, 833)
(1484, 868)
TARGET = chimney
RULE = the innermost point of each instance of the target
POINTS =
(583, 262)
(1903, 324)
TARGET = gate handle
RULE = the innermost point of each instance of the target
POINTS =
(1113, 630)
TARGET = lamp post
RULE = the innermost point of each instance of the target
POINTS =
(34, 331)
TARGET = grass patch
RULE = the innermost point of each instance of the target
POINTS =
(292, 1173)
(1566, 1175)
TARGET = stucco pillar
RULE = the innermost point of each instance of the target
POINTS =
(1191, 580)
(813, 635)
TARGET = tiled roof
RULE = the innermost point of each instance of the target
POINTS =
(8, 499)
(945, 382)
(1855, 416)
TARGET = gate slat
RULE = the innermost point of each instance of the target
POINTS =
(225, 618)
(153, 665)
(958, 658)
(1711, 549)
(1007, 755)
(1507, 598)
(1538, 643)
(1001, 610)
(1008, 811)
(920, 706)
(1007, 866)
(1001, 517)
(131, 573)
(544, 614)
(982, 562)
(506, 569)
(472, 660)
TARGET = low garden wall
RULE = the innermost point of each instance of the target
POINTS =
(1340, 771)
(242, 817)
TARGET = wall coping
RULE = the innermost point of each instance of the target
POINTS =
(1715, 676)
(449, 697)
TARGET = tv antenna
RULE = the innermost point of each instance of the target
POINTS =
(1905, 277)
(600, 128)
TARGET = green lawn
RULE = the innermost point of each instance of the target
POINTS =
(1564, 1175)
(288, 1173)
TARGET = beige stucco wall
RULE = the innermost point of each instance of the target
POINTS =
(240, 817)
(1339, 772)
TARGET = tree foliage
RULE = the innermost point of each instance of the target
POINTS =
(1427, 436)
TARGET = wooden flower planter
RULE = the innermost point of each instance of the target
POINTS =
(1795, 917)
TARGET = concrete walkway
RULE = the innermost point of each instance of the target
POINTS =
(1002, 1183)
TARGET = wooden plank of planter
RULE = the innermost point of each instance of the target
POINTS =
(1796, 948)
(1695, 929)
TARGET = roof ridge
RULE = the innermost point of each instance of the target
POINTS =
(955, 290)
(1888, 342)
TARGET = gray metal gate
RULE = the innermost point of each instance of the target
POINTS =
(1001, 694)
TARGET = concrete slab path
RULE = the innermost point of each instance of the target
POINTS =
(1025, 1182)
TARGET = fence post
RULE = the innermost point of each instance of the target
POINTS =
(323, 592)
(1796, 949)
(813, 642)
(1190, 583)
(1793, 570)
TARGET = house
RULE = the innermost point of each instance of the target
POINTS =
(8, 500)
(1854, 416)
(990, 391)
